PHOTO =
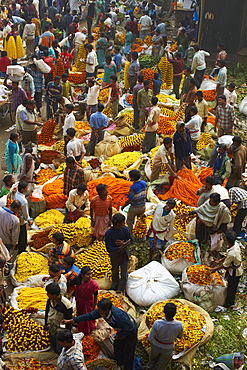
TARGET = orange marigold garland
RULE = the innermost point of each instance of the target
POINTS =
(47, 132)
(91, 348)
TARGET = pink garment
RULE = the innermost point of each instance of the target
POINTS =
(84, 296)
(101, 225)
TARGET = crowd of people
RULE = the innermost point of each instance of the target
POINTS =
(41, 28)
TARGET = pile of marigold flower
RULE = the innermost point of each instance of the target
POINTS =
(181, 250)
(192, 321)
(91, 348)
(201, 275)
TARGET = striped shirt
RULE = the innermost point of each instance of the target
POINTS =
(238, 195)
(73, 358)
(138, 193)
(101, 207)
(52, 91)
(38, 79)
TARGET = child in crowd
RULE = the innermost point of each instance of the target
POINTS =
(67, 58)
(157, 82)
(67, 91)
(70, 271)
(4, 63)
(232, 96)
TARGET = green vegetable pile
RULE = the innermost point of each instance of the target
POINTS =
(148, 61)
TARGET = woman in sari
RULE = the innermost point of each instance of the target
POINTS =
(27, 172)
(13, 44)
(8, 181)
(11, 154)
(101, 46)
(86, 297)
(110, 69)
(101, 212)
(128, 41)
(157, 43)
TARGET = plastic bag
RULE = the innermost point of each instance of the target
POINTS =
(177, 266)
(150, 284)
(206, 152)
(191, 229)
(243, 106)
(42, 66)
(208, 85)
(191, 291)
(108, 147)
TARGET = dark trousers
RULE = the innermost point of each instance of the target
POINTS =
(94, 140)
(136, 116)
(176, 84)
(89, 25)
(164, 41)
(51, 108)
(48, 78)
(124, 350)
(38, 99)
(231, 290)
(187, 161)
(237, 227)
(199, 76)
(118, 284)
(22, 242)
(149, 141)
(193, 146)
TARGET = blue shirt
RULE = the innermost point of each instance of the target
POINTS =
(118, 61)
(98, 120)
(72, 268)
(118, 319)
(137, 194)
(38, 79)
(114, 234)
(162, 28)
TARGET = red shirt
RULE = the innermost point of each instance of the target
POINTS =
(66, 57)
(4, 63)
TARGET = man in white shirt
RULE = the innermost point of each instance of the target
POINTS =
(78, 202)
(18, 119)
(24, 215)
(69, 121)
(164, 155)
(221, 78)
(199, 64)
(78, 40)
(91, 61)
(194, 125)
(75, 147)
(92, 96)
(29, 36)
(231, 96)
(6, 28)
(145, 22)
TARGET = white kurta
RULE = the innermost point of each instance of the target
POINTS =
(163, 224)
